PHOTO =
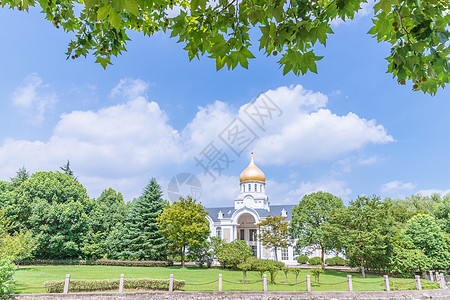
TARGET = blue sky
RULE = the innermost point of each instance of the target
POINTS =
(350, 129)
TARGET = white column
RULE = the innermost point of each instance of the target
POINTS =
(220, 282)
(418, 284)
(350, 283)
(66, 284)
(121, 283)
(308, 283)
(171, 283)
(387, 288)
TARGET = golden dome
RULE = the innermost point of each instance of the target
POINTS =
(252, 173)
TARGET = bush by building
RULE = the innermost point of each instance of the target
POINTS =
(315, 261)
(302, 259)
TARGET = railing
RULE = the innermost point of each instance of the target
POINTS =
(388, 285)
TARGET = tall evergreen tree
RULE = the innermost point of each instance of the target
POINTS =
(142, 241)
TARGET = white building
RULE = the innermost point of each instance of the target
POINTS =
(251, 206)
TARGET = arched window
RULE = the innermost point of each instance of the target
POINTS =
(249, 187)
(260, 188)
(256, 187)
(219, 232)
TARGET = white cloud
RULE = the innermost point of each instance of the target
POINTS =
(130, 88)
(123, 145)
(396, 188)
(336, 187)
(206, 126)
(34, 98)
(368, 161)
(115, 146)
(431, 192)
(307, 132)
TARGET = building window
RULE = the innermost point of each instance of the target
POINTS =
(260, 188)
(256, 187)
(219, 232)
(252, 235)
(254, 251)
(242, 234)
(249, 187)
(284, 254)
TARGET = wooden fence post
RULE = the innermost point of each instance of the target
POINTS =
(418, 284)
(350, 283)
(66, 284)
(220, 282)
(308, 283)
(121, 283)
(264, 283)
(171, 283)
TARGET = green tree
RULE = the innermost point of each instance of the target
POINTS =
(141, 239)
(309, 218)
(108, 211)
(184, 224)
(406, 259)
(6, 272)
(67, 170)
(54, 207)
(417, 32)
(426, 235)
(21, 175)
(274, 233)
(232, 254)
(364, 229)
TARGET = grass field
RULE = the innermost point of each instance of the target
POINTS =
(31, 278)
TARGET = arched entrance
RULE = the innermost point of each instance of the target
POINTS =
(247, 231)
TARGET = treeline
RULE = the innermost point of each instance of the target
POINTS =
(49, 215)
(400, 236)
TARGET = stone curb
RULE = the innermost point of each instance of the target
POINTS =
(413, 294)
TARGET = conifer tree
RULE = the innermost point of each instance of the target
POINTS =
(142, 241)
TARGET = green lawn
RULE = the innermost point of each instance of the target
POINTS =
(33, 277)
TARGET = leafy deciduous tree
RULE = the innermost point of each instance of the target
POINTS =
(309, 218)
(365, 229)
(184, 224)
(232, 254)
(416, 31)
(274, 233)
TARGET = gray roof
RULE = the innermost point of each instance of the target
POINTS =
(275, 210)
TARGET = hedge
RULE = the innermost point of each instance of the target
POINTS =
(263, 263)
(302, 259)
(100, 262)
(335, 261)
(314, 261)
(57, 286)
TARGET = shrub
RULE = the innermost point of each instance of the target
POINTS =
(296, 272)
(273, 270)
(244, 267)
(302, 259)
(57, 286)
(330, 261)
(232, 254)
(258, 262)
(316, 272)
(315, 261)
(7, 269)
(131, 263)
(101, 262)
(339, 261)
